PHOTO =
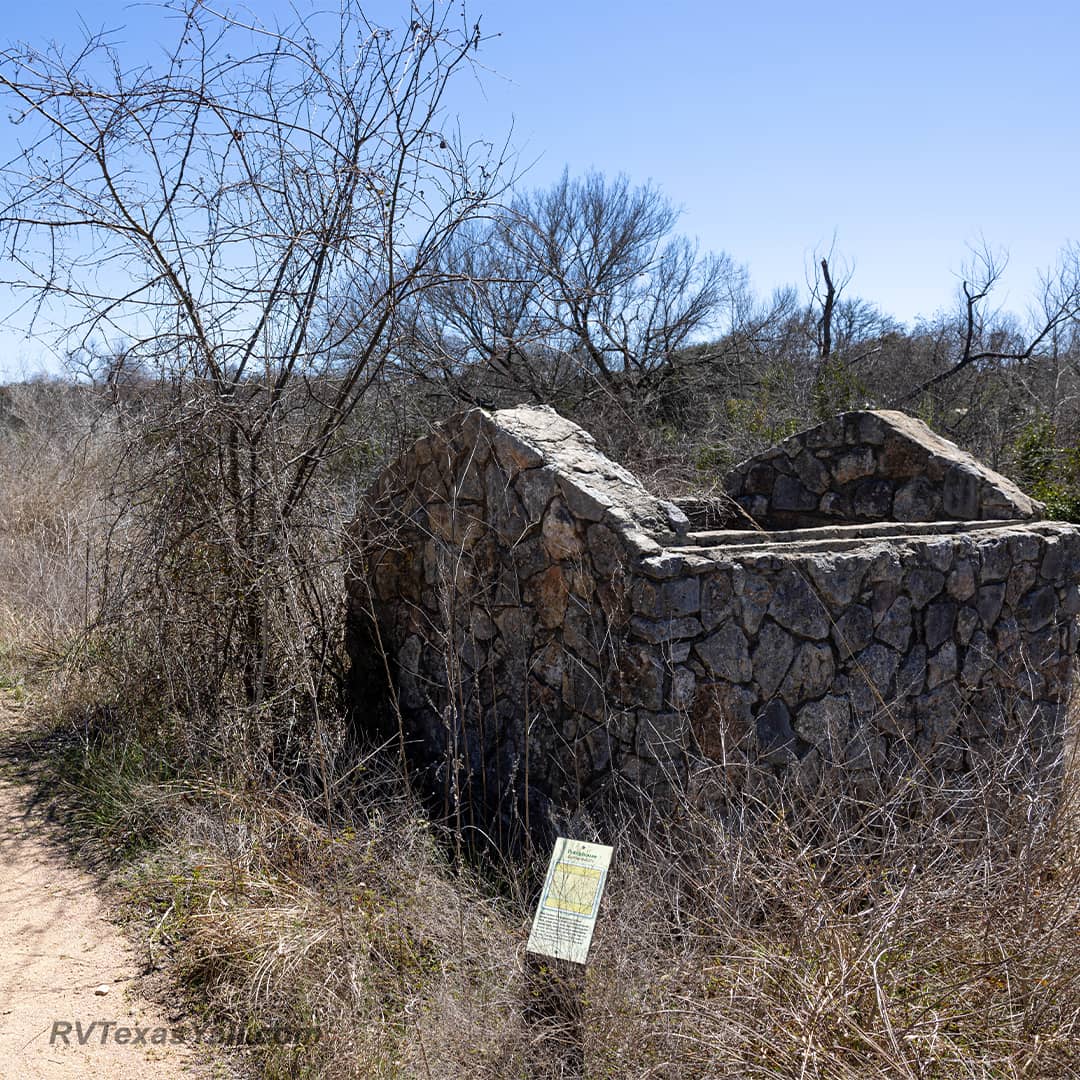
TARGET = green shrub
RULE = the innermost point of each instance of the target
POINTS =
(1049, 472)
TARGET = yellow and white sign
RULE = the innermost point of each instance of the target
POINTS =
(566, 914)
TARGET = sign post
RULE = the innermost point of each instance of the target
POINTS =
(561, 932)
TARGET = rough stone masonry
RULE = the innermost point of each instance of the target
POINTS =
(556, 633)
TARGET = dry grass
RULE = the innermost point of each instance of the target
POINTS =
(932, 949)
(772, 945)
(53, 469)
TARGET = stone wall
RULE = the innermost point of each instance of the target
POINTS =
(873, 466)
(557, 634)
(496, 561)
(835, 648)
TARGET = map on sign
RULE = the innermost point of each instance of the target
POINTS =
(566, 913)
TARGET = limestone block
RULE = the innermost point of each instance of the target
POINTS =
(560, 534)
(939, 621)
(792, 495)
(884, 566)
(938, 718)
(895, 627)
(775, 735)
(677, 652)
(583, 691)
(606, 551)
(717, 595)
(1007, 640)
(667, 599)
(824, 723)
(1043, 647)
(833, 504)
(876, 666)
(989, 602)
(514, 452)
(598, 744)
(583, 631)
(873, 499)
(661, 737)
(1038, 608)
(677, 521)
(853, 630)
(922, 585)
(916, 500)
(1024, 548)
(960, 493)
(1070, 600)
(812, 473)
(481, 626)
(797, 608)
(809, 675)
(756, 506)
(772, 657)
(726, 654)
(755, 594)
(665, 630)
(940, 554)
(995, 561)
(639, 680)
(683, 688)
(967, 622)
(826, 436)
(515, 626)
(912, 673)
(536, 488)
(837, 579)
(1054, 560)
(854, 465)
(759, 479)
(586, 500)
(549, 594)
(865, 751)
(882, 598)
(941, 666)
(978, 660)
(1021, 578)
(961, 582)
(722, 719)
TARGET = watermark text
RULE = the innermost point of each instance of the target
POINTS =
(106, 1032)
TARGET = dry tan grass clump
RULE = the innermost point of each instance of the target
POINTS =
(54, 466)
(885, 946)
(361, 931)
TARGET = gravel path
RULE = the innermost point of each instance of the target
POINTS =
(58, 950)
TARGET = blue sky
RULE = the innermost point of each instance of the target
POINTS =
(911, 131)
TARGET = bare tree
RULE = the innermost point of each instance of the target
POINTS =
(828, 308)
(982, 336)
(230, 221)
(583, 283)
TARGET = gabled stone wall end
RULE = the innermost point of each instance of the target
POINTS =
(873, 466)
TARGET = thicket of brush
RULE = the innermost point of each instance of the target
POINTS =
(289, 877)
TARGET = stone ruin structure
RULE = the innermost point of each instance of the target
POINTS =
(556, 633)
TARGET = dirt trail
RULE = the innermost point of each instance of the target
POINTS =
(56, 947)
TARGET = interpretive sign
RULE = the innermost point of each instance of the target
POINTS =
(566, 914)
